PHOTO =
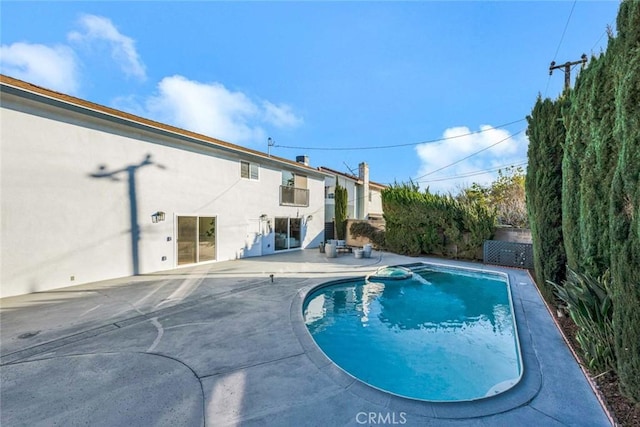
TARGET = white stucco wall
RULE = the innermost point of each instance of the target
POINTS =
(352, 198)
(62, 225)
(375, 205)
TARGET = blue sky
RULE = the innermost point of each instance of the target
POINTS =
(336, 81)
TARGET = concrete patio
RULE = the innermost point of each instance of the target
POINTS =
(223, 345)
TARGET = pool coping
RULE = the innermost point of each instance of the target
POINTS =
(523, 392)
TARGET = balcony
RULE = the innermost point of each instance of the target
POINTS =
(292, 196)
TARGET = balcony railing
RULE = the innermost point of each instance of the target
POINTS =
(291, 196)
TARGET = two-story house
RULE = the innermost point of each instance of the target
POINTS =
(364, 197)
(91, 193)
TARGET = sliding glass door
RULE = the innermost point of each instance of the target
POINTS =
(288, 233)
(196, 239)
(206, 238)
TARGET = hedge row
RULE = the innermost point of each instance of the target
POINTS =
(600, 191)
(424, 223)
(543, 187)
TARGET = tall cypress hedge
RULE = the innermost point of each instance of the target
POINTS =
(589, 161)
(340, 199)
(600, 195)
(624, 211)
(598, 165)
(577, 134)
(543, 187)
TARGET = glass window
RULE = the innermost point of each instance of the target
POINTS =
(206, 238)
(253, 171)
(295, 233)
(329, 192)
(300, 181)
(186, 240)
(288, 179)
(249, 170)
(281, 230)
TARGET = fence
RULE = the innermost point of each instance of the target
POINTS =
(508, 254)
(329, 228)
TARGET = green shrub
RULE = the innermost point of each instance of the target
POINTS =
(424, 223)
(590, 307)
(364, 229)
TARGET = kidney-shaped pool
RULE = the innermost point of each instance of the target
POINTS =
(429, 332)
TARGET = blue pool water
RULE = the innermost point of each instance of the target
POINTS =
(440, 335)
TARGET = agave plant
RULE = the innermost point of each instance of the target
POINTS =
(589, 304)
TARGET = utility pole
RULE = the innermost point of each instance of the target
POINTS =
(567, 69)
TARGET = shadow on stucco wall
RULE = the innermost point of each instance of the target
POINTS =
(130, 172)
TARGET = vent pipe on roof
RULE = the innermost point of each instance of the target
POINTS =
(303, 159)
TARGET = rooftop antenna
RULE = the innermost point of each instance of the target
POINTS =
(270, 143)
(350, 170)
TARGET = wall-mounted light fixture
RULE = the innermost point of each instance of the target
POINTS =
(157, 217)
(309, 218)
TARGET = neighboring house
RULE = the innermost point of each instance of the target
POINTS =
(364, 196)
(91, 193)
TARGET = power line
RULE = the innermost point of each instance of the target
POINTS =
(470, 174)
(566, 25)
(476, 172)
(598, 41)
(470, 155)
(565, 29)
(608, 30)
(400, 145)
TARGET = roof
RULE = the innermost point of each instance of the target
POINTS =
(350, 176)
(22, 88)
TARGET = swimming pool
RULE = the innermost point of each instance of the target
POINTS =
(430, 333)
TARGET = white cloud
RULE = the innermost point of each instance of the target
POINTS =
(123, 51)
(458, 145)
(214, 110)
(280, 115)
(52, 67)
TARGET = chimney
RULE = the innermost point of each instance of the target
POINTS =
(363, 175)
(303, 159)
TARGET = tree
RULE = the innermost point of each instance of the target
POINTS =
(341, 201)
(543, 187)
(600, 195)
(598, 167)
(577, 134)
(506, 195)
(624, 209)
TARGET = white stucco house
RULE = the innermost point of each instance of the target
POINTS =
(91, 193)
(364, 196)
